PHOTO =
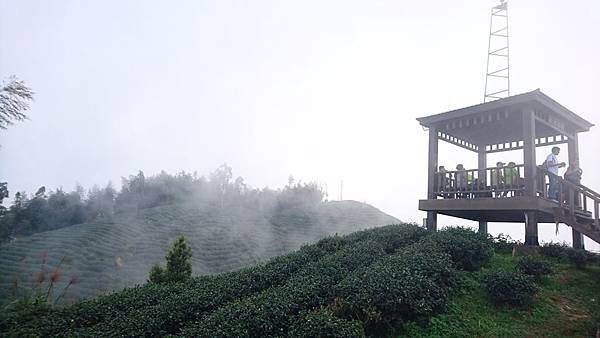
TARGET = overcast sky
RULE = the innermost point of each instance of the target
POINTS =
(322, 90)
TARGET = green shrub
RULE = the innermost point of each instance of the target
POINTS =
(157, 274)
(25, 309)
(509, 288)
(411, 284)
(533, 266)
(270, 313)
(554, 250)
(391, 237)
(324, 323)
(469, 250)
(578, 257)
(503, 244)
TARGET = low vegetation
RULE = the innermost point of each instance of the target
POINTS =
(509, 288)
(534, 266)
(398, 280)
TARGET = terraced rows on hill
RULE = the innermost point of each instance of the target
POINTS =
(108, 255)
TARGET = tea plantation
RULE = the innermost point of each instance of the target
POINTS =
(396, 280)
(111, 254)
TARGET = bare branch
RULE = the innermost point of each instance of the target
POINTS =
(14, 101)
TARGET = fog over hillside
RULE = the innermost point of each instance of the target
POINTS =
(109, 254)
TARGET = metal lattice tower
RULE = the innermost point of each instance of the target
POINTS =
(497, 80)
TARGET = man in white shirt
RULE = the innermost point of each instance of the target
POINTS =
(551, 164)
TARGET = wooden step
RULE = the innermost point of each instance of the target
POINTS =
(589, 228)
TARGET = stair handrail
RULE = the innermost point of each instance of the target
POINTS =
(573, 188)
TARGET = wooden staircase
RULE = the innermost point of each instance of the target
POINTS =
(583, 224)
(574, 200)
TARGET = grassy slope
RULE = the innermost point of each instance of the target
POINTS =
(111, 254)
(567, 306)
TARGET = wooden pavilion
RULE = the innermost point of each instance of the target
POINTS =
(515, 193)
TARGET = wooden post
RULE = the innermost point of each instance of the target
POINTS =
(482, 180)
(577, 240)
(529, 152)
(573, 149)
(432, 166)
(531, 227)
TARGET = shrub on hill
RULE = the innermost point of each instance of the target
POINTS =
(270, 313)
(469, 250)
(533, 266)
(578, 257)
(324, 323)
(411, 284)
(554, 250)
(509, 288)
(503, 244)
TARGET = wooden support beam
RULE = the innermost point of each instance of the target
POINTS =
(529, 152)
(573, 149)
(578, 240)
(432, 165)
(482, 177)
(531, 228)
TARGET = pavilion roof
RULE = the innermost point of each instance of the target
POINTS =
(500, 120)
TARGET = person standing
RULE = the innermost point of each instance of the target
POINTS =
(497, 178)
(551, 164)
(573, 175)
(442, 180)
(461, 180)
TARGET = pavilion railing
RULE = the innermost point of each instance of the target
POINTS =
(493, 182)
(576, 199)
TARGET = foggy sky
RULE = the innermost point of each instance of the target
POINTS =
(323, 90)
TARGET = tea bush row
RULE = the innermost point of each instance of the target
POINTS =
(158, 309)
(206, 293)
(270, 313)
(469, 250)
(579, 258)
(409, 285)
(324, 323)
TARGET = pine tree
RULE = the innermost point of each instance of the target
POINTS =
(179, 267)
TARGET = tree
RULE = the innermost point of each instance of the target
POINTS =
(14, 101)
(3, 191)
(3, 195)
(221, 178)
(179, 267)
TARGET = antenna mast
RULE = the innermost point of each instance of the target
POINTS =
(497, 80)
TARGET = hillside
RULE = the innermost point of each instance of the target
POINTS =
(110, 254)
(398, 280)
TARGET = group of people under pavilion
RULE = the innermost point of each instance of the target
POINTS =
(505, 179)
